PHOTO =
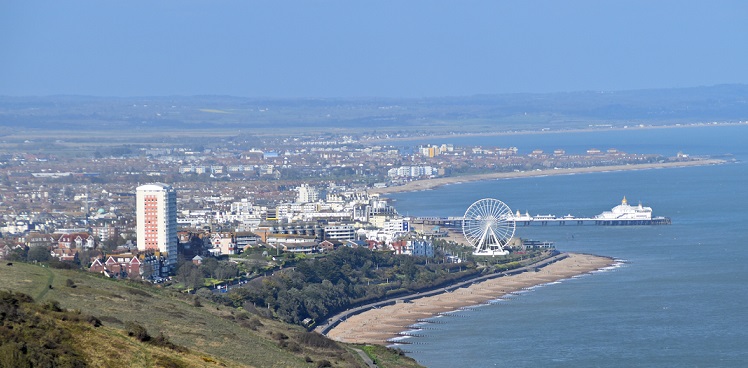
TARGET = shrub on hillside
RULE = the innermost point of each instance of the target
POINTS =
(290, 346)
(52, 306)
(168, 362)
(252, 324)
(111, 319)
(32, 335)
(163, 341)
(137, 331)
(53, 263)
(317, 340)
(278, 335)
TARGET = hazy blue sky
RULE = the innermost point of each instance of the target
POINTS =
(400, 48)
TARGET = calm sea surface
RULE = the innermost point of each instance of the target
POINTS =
(680, 299)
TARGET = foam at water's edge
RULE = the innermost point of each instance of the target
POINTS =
(618, 263)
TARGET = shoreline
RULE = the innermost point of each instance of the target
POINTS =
(427, 184)
(380, 325)
(556, 131)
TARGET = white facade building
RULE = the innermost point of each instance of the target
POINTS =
(411, 171)
(156, 206)
(307, 194)
(340, 232)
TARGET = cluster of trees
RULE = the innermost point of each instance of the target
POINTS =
(346, 277)
(193, 276)
(42, 254)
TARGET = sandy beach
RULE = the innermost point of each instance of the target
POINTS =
(375, 326)
(433, 183)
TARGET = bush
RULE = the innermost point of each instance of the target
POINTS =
(252, 324)
(53, 306)
(11, 355)
(163, 341)
(279, 336)
(290, 346)
(397, 351)
(138, 292)
(93, 320)
(242, 315)
(317, 340)
(62, 265)
(110, 319)
(168, 362)
(136, 330)
(30, 335)
(262, 312)
(204, 293)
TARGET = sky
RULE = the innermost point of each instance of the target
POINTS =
(367, 48)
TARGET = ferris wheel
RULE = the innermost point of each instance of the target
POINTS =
(488, 226)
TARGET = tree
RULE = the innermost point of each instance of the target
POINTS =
(18, 254)
(189, 275)
(209, 266)
(195, 279)
(226, 270)
(83, 258)
(39, 254)
(112, 243)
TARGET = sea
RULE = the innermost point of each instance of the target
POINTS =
(678, 296)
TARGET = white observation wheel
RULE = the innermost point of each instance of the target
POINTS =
(488, 226)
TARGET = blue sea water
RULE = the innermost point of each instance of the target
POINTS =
(680, 299)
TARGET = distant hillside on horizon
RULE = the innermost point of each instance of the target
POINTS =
(481, 112)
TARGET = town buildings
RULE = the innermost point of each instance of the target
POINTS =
(234, 193)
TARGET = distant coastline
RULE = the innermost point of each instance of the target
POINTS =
(592, 129)
(427, 184)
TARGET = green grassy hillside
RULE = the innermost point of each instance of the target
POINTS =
(43, 335)
(233, 337)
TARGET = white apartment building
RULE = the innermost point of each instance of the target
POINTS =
(396, 226)
(307, 194)
(340, 232)
(156, 209)
(411, 171)
(375, 207)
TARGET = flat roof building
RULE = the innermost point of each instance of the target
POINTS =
(156, 208)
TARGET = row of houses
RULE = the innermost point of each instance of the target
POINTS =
(418, 247)
(144, 266)
(76, 240)
(310, 247)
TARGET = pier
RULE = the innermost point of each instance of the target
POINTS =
(591, 221)
(456, 222)
(621, 215)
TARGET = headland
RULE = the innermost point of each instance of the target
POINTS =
(377, 326)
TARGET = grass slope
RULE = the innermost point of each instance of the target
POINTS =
(230, 335)
(41, 335)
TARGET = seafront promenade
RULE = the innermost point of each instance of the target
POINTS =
(427, 184)
(377, 323)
